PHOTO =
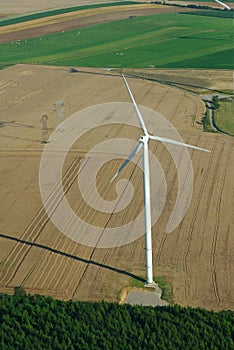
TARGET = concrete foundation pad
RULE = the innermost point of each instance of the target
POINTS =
(144, 297)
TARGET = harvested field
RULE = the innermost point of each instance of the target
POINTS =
(197, 257)
(199, 81)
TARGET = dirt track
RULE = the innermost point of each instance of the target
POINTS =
(197, 258)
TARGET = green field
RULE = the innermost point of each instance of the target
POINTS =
(224, 119)
(210, 13)
(165, 41)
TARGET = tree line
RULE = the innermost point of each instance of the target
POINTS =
(37, 322)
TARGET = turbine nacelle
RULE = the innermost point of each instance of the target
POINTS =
(144, 139)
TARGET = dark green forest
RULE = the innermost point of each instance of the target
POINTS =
(37, 322)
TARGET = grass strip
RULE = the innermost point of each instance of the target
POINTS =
(163, 284)
(223, 116)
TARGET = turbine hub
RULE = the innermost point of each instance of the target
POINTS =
(144, 139)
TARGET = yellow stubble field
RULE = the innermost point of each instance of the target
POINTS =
(196, 258)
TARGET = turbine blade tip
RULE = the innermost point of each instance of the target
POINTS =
(112, 179)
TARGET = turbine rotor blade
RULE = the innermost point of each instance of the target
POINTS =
(173, 142)
(222, 4)
(138, 113)
(131, 155)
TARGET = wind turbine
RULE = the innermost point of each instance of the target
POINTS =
(143, 143)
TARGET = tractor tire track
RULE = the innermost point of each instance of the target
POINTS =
(32, 232)
(38, 223)
(189, 237)
(94, 249)
(215, 235)
(192, 225)
(169, 170)
(68, 180)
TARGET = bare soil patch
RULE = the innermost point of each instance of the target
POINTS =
(197, 258)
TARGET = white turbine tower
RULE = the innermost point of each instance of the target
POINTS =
(224, 5)
(143, 143)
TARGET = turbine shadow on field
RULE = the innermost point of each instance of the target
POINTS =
(74, 70)
(85, 261)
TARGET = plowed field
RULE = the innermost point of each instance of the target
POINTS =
(197, 257)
